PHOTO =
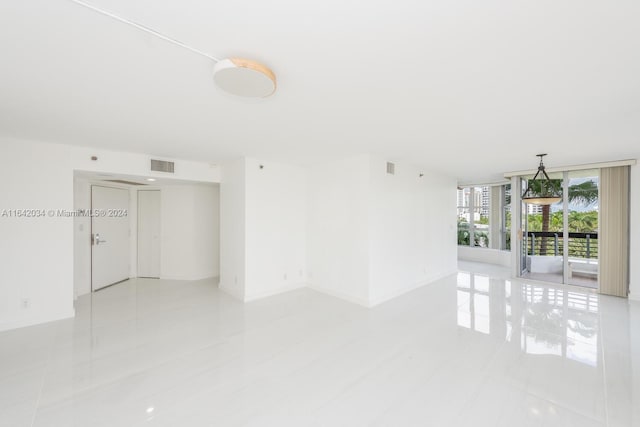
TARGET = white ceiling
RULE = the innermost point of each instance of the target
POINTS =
(467, 87)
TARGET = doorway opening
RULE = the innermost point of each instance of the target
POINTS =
(141, 227)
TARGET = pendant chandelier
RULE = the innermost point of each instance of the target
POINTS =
(541, 190)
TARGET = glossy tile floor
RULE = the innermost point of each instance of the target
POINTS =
(478, 349)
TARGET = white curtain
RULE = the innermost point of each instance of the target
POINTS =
(614, 231)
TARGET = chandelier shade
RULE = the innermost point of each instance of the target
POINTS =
(541, 190)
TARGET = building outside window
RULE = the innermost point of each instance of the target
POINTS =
(484, 217)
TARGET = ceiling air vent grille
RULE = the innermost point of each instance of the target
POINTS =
(124, 181)
(391, 168)
(162, 166)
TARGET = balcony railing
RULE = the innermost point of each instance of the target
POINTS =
(581, 245)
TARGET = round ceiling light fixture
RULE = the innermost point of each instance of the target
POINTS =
(244, 77)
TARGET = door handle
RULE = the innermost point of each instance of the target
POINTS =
(96, 239)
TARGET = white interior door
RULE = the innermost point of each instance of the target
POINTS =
(149, 233)
(110, 236)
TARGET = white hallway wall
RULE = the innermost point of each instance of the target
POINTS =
(37, 255)
(190, 232)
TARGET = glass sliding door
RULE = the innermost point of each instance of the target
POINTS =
(560, 241)
(582, 221)
(543, 238)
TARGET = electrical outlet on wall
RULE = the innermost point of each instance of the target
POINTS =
(285, 276)
(26, 303)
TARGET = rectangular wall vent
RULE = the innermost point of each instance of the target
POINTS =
(162, 166)
(391, 168)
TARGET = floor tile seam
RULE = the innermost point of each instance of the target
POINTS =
(604, 372)
(486, 374)
(565, 407)
(349, 385)
(352, 384)
(123, 350)
(426, 378)
(561, 337)
(94, 387)
(36, 408)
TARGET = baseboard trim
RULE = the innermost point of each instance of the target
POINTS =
(355, 300)
(231, 292)
(279, 290)
(23, 323)
(399, 292)
(190, 278)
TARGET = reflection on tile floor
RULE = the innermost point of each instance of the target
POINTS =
(476, 349)
(576, 279)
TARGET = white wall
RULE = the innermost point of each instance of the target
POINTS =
(81, 238)
(118, 162)
(37, 255)
(372, 235)
(338, 228)
(275, 204)
(189, 232)
(133, 233)
(232, 228)
(263, 228)
(634, 234)
(412, 229)
(208, 222)
(485, 255)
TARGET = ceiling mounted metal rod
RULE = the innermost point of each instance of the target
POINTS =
(145, 29)
(238, 76)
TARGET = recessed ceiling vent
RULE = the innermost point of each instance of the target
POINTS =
(123, 181)
(391, 168)
(162, 166)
